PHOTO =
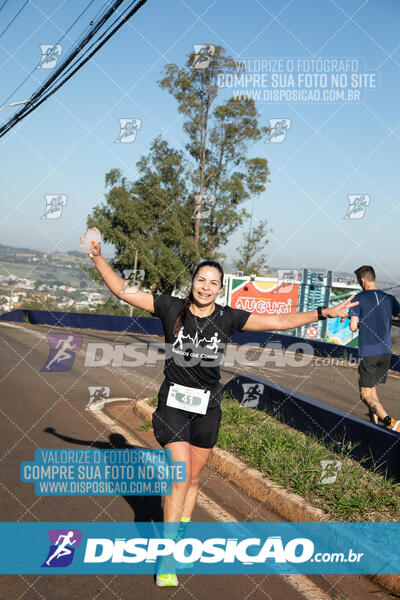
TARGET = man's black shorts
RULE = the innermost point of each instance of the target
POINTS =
(175, 425)
(373, 370)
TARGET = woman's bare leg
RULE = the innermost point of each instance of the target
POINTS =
(198, 458)
(174, 503)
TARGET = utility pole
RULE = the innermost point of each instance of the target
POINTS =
(134, 280)
(203, 134)
(11, 295)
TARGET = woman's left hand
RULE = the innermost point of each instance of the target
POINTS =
(340, 310)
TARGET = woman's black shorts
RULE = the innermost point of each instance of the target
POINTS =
(175, 425)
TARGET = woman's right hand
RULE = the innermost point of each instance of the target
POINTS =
(96, 250)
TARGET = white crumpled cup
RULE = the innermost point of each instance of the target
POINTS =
(90, 237)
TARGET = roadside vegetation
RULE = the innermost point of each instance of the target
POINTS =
(293, 460)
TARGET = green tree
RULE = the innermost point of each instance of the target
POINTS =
(152, 216)
(249, 259)
(39, 303)
(219, 139)
(111, 306)
(256, 239)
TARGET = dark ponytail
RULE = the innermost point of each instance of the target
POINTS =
(181, 317)
(189, 298)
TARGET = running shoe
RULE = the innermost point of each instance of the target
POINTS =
(394, 425)
(170, 580)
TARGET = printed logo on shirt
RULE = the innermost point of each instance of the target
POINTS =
(212, 342)
(184, 344)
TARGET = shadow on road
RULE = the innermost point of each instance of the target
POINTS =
(145, 508)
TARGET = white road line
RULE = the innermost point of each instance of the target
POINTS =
(42, 336)
(306, 587)
(300, 583)
(18, 327)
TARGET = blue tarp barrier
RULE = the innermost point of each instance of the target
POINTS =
(153, 326)
(14, 316)
(363, 440)
(147, 325)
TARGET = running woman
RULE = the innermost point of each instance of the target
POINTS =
(197, 329)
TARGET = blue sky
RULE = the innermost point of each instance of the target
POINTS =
(331, 150)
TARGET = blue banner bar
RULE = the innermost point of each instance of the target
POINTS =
(213, 548)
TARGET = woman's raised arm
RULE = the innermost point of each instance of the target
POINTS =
(115, 283)
(293, 320)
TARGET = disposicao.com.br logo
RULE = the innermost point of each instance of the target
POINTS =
(207, 548)
(240, 548)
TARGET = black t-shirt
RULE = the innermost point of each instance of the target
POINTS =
(193, 357)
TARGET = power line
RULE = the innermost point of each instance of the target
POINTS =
(79, 58)
(390, 288)
(101, 11)
(12, 20)
(3, 5)
(39, 97)
(58, 42)
(75, 50)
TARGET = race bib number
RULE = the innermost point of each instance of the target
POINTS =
(188, 398)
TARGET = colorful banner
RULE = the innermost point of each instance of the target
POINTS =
(264, 297)
(340, 333)
(274, 297)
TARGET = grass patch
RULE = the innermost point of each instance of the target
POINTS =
(292, 459)
(145, 427)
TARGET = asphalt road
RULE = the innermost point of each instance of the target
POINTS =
(47, 410)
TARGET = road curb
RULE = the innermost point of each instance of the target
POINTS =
(288, 505)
